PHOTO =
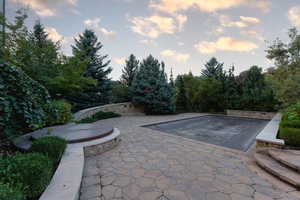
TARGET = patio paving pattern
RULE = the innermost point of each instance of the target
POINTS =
(151, 165)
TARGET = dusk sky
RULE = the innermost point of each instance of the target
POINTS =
(183, 33)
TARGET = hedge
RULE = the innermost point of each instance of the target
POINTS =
(291, 136)
(62, 113)
(51, 146)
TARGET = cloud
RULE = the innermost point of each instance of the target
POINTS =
(225, 44)
(120, 61)
(95, 24)
(46, 8)
(179, 57)
(155, 25)
(173, 6)
(252, 34)
(53, 34)
(294, 15)
(242, 23)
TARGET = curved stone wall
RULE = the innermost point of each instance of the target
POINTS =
(124, 109)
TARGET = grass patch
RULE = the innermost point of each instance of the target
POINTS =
(98, 116)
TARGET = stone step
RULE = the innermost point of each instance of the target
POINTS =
(290, 158)
(280, 171)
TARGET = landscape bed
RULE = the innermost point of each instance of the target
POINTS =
(227, 131)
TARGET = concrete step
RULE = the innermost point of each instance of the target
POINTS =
(279, 170)
(290, 158)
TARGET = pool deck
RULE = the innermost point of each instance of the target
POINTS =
(152, 165)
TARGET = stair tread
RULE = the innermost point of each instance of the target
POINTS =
(278, 169)
(290, 158)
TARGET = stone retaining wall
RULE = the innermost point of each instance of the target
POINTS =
(101, 148)
(251, 114)
(124, 109)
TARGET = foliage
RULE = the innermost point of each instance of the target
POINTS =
(71, 79)
(129, 71)
(51, 146)
(37, 55)
(291, 136)
(150, 88)
(63, 113)
(181, 96)
(87, 48)
(256, 94)
(99, 116)
(290, 125)
(213, 69)
(119, 92)
(31, 172)
(24, 103)
(9, 193)
(285, 78)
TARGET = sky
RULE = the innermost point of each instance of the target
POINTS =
(184, 34)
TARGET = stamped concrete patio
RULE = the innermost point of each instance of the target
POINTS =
(151, 165)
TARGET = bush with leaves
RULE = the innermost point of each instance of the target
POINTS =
(24, 103)
(30, 172)
(51, 146)
(9, 193)
(62, 112)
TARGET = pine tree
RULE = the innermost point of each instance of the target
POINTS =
(87, 47)
(213, 69)
(129, 71)
(172, 84)
(150, 88)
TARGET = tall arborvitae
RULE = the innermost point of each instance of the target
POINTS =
(150, 88)
(181, 96)
(171, 81)
(129, 71)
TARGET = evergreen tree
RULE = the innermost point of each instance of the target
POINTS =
(87, 48)
(181, 97)
(150, 88)
(129, 71)
(37, 55)
(213, 69)
(172, 84)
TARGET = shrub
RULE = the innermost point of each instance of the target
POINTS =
(291, 136)
(24, 103)
(9, 193)
(53, 147)
(31, 172)
(99, 116)
(63, 113)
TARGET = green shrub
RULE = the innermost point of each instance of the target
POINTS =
(9, 193)
(99, 116)
(24, 103)
(31, 172)
(291, 136)
(63, 113)
(53, 147)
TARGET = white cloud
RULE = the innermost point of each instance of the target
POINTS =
(179, 57)
(173, 6)
(120, 61)
(225, 44)
(242, 23)
(46, 8)
(155, 25)
(252, 34)
(180, 43)
(53, 34)
(95, 24)
(294, 15)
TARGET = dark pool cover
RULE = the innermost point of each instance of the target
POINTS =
(233, 132)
